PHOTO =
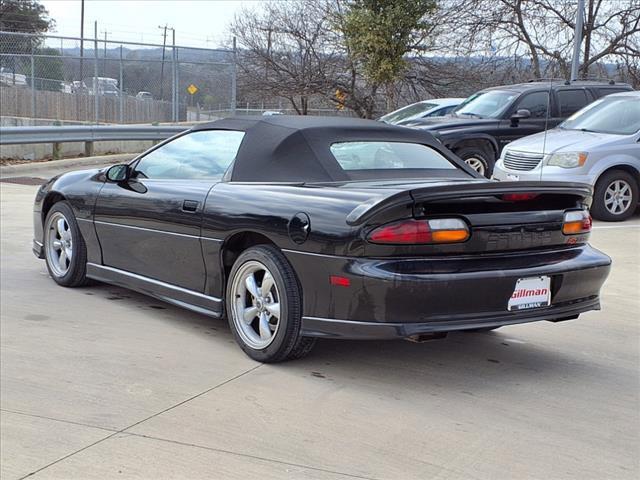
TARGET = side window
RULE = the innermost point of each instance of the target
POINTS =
(536, 103)
(571, 101)
(203, 154)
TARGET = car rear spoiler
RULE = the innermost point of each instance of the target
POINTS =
(367, 210)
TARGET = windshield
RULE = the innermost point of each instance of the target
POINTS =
(486, 104)
(616, 115)
(410, 112)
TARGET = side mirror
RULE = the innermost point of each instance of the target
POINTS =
(118, 173)
(520, 114)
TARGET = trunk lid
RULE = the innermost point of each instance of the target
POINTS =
(497, 222)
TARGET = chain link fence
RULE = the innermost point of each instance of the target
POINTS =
(45, 79)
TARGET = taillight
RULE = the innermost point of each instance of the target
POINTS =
(519, 197)
(576, 221)
(409, 232)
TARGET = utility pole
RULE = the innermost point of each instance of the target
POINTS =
(174, 89)
(234, 76)
(121, 89)
(104, 55)
(81, 39)
(96, 101)
(164, 43)
(577, 41)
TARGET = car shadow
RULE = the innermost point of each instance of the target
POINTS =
(463, 360)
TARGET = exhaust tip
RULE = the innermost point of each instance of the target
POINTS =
(426, 337)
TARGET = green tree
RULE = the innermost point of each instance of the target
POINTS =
(48, 69)
(380, 33)
(28, 16)
(24, 16)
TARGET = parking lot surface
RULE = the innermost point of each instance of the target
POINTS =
(100, 382)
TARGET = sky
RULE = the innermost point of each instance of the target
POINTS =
(200, 23)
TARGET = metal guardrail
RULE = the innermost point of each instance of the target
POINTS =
(86, 133)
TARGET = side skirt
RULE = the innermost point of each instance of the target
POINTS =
(166, 292)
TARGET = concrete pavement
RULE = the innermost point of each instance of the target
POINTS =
(100, 382)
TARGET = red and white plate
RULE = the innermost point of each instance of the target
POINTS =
(532, 292)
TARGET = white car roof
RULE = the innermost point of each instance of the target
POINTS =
(633, 93)
(444, 101)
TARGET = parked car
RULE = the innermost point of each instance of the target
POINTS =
(297, 228)
(598, 145)
(66, 87)
(10, 78)
(79, 87)
(102, 85)
(144, 96)
(480, 127)
(435, 107)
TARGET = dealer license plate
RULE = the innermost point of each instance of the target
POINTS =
(533, 292)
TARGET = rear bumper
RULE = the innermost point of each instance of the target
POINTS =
(346, 329)
(391, 298)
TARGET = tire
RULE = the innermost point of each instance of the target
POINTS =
(266, 336)
(64, 248)
(605, 205)
(478, 158)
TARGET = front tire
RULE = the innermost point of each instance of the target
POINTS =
(615, 196)
(264, 306)
(478, 158)
(64, 248)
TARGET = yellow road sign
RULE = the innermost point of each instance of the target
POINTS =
(340, 97)
(192, 89)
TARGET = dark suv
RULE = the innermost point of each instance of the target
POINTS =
(488, 120)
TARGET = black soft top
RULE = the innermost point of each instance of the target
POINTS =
(283, 148)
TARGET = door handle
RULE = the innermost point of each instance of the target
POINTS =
(190, 205)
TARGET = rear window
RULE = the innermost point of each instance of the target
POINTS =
(354, 156)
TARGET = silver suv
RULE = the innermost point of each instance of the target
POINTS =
(598, 145)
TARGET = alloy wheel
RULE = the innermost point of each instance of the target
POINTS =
(476, 164)
(256, 304)
(618, 197)
(59, 244)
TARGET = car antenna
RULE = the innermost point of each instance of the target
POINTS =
(546, 126)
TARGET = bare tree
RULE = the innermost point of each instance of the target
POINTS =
(284, 51)
(544, 31)
(306, 49)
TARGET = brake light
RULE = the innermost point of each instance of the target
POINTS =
(519, 197)
(577, 221)
(409, 232)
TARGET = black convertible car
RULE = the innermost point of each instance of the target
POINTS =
(296, 228)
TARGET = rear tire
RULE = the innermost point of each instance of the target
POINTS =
(64, 248)
(264, 306)
(478, 158)
(615, 196)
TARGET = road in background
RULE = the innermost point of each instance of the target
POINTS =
(100, 382)
(42, 171)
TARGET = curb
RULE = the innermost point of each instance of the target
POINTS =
(35, 168)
